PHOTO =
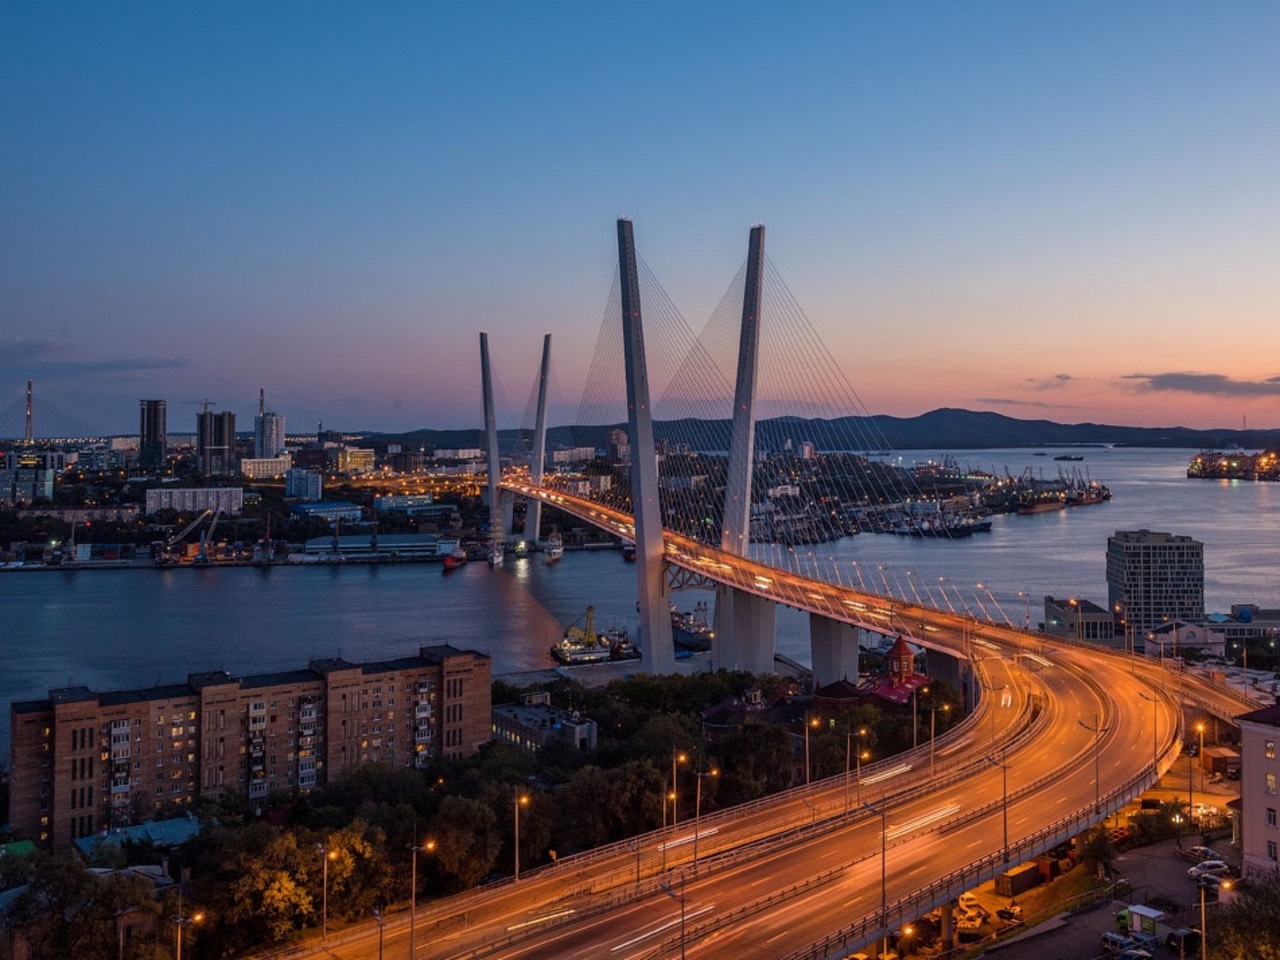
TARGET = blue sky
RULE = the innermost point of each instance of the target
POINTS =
(1066, 211)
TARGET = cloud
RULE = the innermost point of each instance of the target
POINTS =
(45, 360)
(1009, 402)
(1205, 384)
(1051, 383)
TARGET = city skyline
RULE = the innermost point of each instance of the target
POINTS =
(1049, 213)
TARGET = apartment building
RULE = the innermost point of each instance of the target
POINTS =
(82, 761)
(1154, 577)
(1259, 793)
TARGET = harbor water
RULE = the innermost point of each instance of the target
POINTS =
(122, 629)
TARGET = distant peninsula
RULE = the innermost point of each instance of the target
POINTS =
(943, 429)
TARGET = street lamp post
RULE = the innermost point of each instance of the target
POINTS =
(668, 796)
(1097, 730)
(933, 718)
(884, 870)
(1003, 764)
(521, 801)
(377, 916)
(1155, 731)
(1204, 931)
(325, 856)
(697, 810)
(675, 758)
(848, 748)
(915, 740)
(181, 921)
(1191, 775)
(427, 847)
(810, 724)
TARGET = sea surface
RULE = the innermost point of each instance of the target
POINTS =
(124, 629)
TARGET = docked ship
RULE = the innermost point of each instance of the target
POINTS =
(584, 644)
(691, 630)
(454, 560)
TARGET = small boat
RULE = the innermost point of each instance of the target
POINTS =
(452, 561)
(496, 554)
(691, 631)
(1069, 456)
(552, 548)
(629, 552)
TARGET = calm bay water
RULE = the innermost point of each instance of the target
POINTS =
(131, 628)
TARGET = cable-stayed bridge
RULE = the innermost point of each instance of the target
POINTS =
(1061, 734)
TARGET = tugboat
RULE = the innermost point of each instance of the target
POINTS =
(585, 645)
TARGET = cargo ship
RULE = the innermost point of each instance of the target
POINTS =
(585, 644)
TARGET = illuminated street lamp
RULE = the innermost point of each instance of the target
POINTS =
(884, 871)
(933, 720)
(1155, 732)
(325, 856)
(1003, 764)
(848, 748)
(521, 801)
(181, 921)
(811, 723)
(915, 727)
(668, 796)
(697, 809)
(428, 847)
(1191, 775)
(1204, 930)
(675, 758)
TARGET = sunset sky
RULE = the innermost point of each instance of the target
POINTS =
(1060, 211)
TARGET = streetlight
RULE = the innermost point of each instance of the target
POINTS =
(1003, 764)
(848, 748)
(1204, 932)
(1097, 730)
(1076, 603)
(675, 758)
(1191, 775)
(914, 725)
(1155, 732)
(668, 796)
(522, 800)
(325, 856)
(377, 916)
(697, 809)
(884, 871)
(933, 719)
(811, 723)
(180, 921)
(428, 847)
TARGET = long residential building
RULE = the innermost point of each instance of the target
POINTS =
(83, 761)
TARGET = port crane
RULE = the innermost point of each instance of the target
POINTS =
(177, 537)
(206, 537)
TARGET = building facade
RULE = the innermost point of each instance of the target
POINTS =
(1154, 577)
(306, 484)
(153, 434)
(1260, 792)
(230, 500)
(216, 442)
(83, 761)
(265, 468)
(1075, 618)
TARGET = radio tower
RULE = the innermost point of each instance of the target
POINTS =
(29, 437)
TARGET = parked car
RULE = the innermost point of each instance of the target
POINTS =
(1113, 943)
(1198, 853)
(1203, 810)
(1133, 953)
(1012, 912)
(1209, 866)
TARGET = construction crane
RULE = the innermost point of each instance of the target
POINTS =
(206, 537)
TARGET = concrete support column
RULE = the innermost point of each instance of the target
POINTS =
(744, 632)
(656, 646)
(833, 648)
(491, 442)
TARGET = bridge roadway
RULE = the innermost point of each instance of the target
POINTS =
(801, 872)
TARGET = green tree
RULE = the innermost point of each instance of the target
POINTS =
(467, 841)
(1248, 927)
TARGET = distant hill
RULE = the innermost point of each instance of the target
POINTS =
(944, 429)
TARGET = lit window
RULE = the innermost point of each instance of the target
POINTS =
(1271, 784)
(1269, 749)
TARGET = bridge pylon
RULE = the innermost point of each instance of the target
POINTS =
(744, 623)
(656, 646)
(496, 529)
(537, 457)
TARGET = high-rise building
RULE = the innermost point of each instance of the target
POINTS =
(153, 434)
(84, 761)
(1154, 578)
(268, 431)
(216, 442)
(307, 484)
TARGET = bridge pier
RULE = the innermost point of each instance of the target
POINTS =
(496, 530)
(833, 648)
(537, 458)
(744, 632)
